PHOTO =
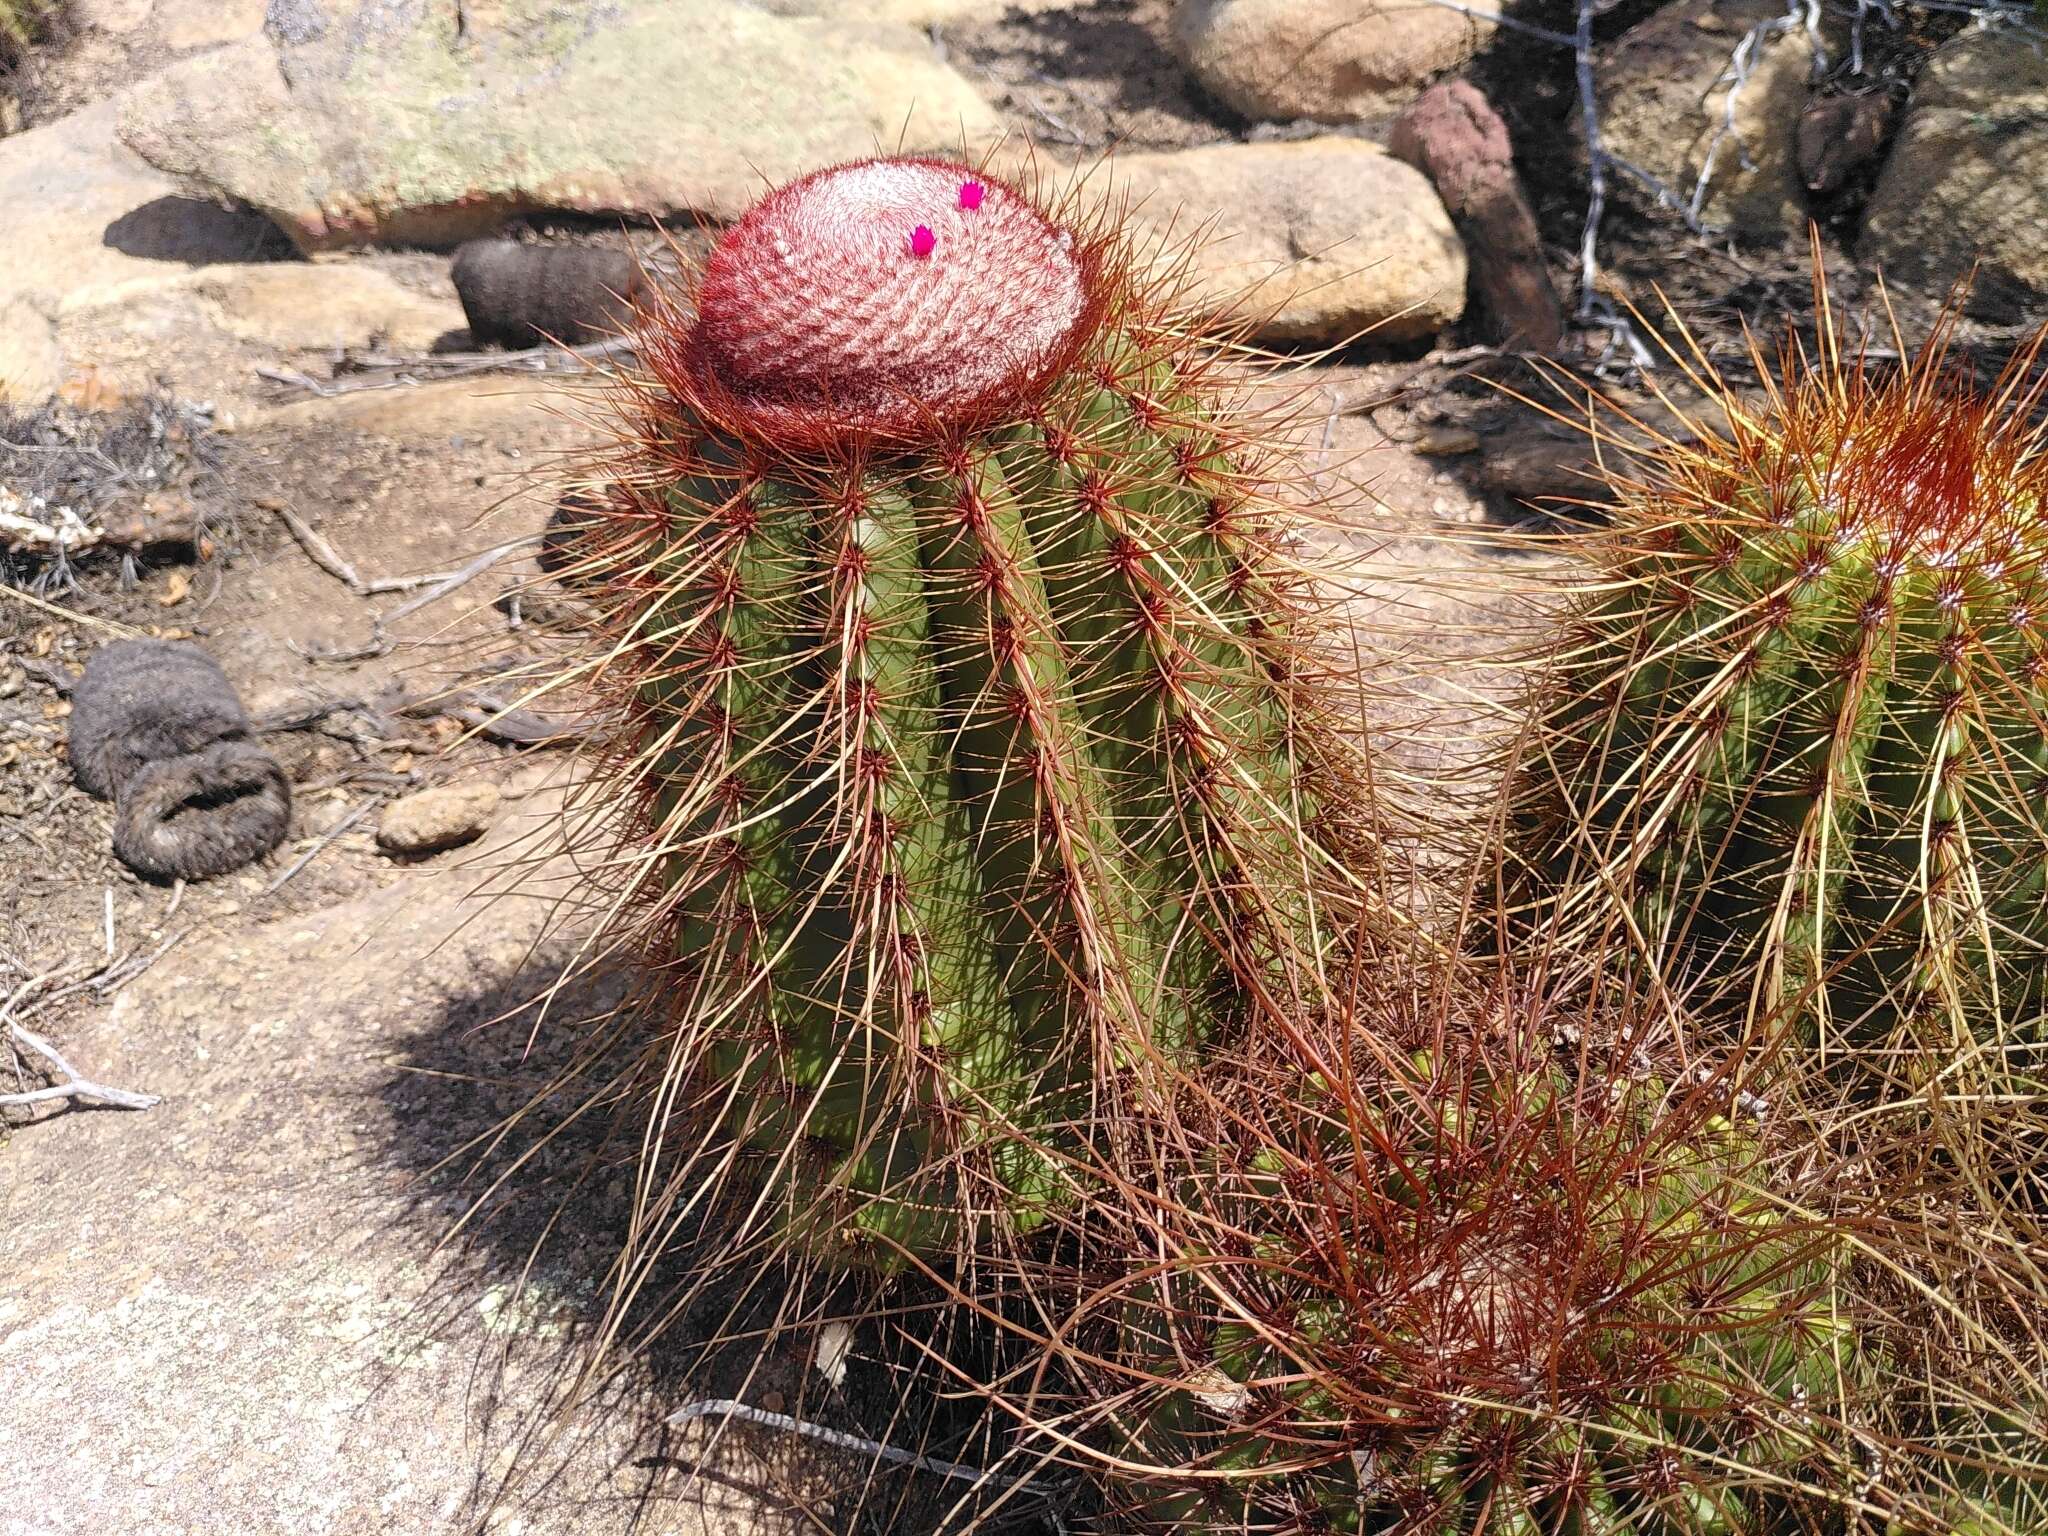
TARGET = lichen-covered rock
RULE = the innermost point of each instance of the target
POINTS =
(403, 121)
(1968, 179)
(1663, 90)
(1332, 60)
(1321, 239)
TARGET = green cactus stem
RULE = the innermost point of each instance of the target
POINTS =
(967, 747)
(1795, 721)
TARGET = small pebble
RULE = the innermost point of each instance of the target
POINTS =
(1443, 441)
(433, 820)
(835, 1345)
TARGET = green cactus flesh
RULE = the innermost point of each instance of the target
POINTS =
(962, 734)
(1798, 723)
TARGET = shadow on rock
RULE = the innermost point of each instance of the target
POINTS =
(520, 1170)
(198, 232)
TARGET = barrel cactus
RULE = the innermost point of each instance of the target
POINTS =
(1441, 1277)
(967, 739)
(1794, 722)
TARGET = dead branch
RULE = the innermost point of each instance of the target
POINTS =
(727, 1408)
(409, 372)
(324, 841)
(438, 585)
(72, 1084)
(318, 550)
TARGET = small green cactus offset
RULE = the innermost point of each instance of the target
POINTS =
(1797, 720)
(965, 747)
(1478, 1291)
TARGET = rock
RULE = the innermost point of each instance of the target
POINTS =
(1968, 177)
(1454, 137)
(64, 186)
(84, 216)
(437, 819)
(117, 16)
(1663, 104)
(382, 120)
(290, 306)
(184, 24)
(244, 1311)
(31, 365)
(1324, 239)
(1332, 60)
(1840, 135)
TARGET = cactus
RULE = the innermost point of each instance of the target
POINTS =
(966, 741)
(1794, 721)
(1441, 1278)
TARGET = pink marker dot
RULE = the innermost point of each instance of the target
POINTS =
(922, 241)
(970, 195)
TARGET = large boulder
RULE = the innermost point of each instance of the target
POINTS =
(1967, 181)
(1322, 240)
(31, 363)
(183, 24)
(420, 122)
(1663, 95)
(1331, 60)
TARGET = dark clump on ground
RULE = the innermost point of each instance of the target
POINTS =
(157, 729)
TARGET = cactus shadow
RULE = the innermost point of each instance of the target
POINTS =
(528, 1200)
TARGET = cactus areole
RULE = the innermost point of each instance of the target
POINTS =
(897, 299)
(962, 714)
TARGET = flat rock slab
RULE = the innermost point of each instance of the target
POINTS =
(65, 188)
(227, 1314)
(425, 122)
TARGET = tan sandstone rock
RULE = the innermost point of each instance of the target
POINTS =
(31, 366)
(288, 306)
(432, 820)
(186, 24)
(1332, 60)
(1324, 239)
(396, 124)
(1967, 180)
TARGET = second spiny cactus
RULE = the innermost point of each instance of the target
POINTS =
(1796, 723)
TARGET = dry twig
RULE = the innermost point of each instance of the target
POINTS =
(409, 372)
(72, 1084)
